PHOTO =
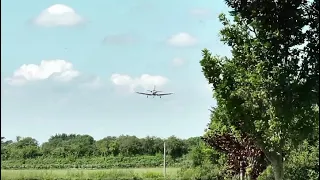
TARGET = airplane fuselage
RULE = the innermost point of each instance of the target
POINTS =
(153, 93)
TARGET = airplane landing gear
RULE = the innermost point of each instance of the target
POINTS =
(160, 96)
(147, 96)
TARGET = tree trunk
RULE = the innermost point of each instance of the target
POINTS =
(277, 166)
(275, 158)
(241, 175)
(241, 171)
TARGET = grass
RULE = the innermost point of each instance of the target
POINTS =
(123, 174)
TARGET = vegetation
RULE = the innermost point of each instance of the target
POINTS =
(82, 151)
(266, 122)
(117, 174)
(242, 154)
(268, 90)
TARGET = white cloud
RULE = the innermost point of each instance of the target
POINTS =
(60, 70)
(200, 12)
(182, 40)
(58, 15)
(145, 81)
(178, 61)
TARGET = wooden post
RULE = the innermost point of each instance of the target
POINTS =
(164, 160)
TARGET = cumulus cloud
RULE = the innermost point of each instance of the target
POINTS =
(182, 39)
(58, 15)
(119, 39)
(145, 81)
(59, 70)
(178, 61)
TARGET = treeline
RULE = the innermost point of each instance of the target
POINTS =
(84, 146)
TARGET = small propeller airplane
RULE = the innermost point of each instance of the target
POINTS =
(154, 93)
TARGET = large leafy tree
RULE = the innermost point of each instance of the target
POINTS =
(129, 145)
(4, 145)
(269, 88)
(62, 145)
(176, 147)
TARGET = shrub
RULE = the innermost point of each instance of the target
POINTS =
(301, 164)
(88, 163)
(205, 172)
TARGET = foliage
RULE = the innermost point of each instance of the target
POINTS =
(269, 88)
(267, 174)
(302, 164)
(78, 146)
(82, 151)
(116, 174)
(202, 154)
(204, 163)
(242, 153)
(175, 147)
(87, 163)
(197, 156)
(204, 172)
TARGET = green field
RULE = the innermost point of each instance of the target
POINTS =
(123, 174)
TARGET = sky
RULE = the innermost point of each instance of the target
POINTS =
(75, 67)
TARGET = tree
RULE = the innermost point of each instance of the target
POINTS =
(149, 145)
(269, 88)
(62, 145)
(24, 148)
(73, 146)
(103, 145)
(158, 145)
(175, 147)
(241, 152)
(193, 142)
(129, 145)
(197, 156)
(4, 145)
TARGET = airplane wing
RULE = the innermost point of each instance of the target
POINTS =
(148, 94)
(164, 94)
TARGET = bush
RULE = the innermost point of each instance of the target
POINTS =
(267, 174)
(88, 163)
(205, 172)
(301, 164)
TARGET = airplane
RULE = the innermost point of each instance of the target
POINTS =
(154, 93)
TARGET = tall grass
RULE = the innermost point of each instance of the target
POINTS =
(73, 174)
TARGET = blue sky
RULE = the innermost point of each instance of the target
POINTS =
(73, 67)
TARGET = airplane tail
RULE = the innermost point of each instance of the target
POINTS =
(154, 89)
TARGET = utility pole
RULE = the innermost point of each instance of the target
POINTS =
(164, 160)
